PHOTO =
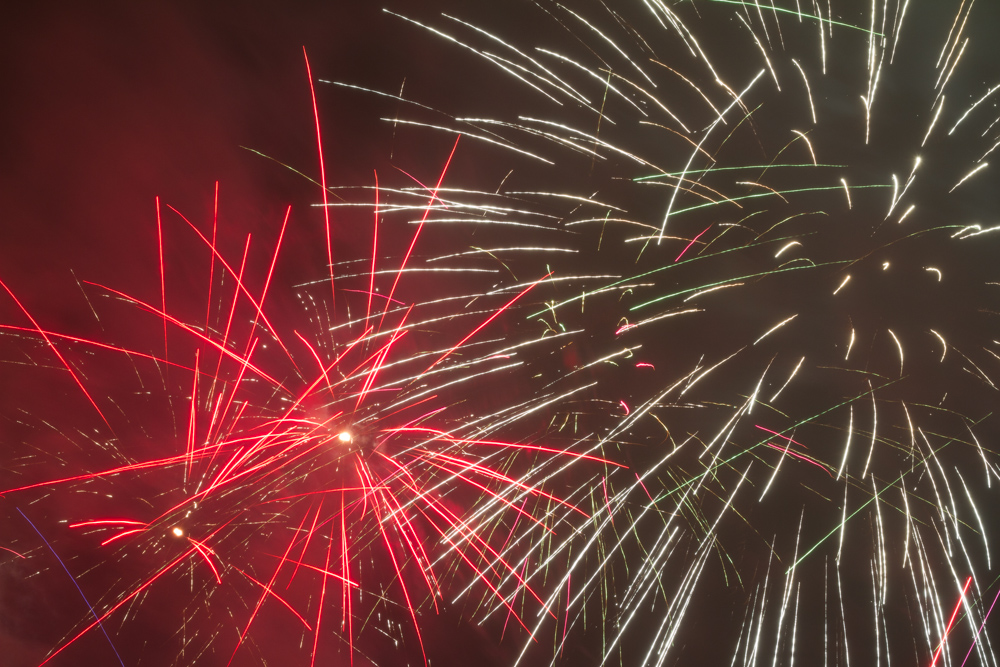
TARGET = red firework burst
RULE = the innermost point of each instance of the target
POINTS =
(352, 472)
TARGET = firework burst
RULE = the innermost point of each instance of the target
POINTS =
(794, 200)
(308, 462)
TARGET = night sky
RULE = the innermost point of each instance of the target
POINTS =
(107, 109)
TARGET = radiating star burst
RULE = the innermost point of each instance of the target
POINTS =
(792, 205)
(287, 469)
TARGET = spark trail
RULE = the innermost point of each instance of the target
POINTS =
(345, 472)
(784, 212)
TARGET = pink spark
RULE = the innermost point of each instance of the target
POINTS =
(691, 244)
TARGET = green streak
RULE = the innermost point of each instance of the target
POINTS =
(800, 15)
(679, 174)
(776, 192)
(552, 307)
(872, 499)
(733, 279)
(842, 523)
(762, 443)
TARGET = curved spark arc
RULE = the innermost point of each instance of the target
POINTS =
(802, 294)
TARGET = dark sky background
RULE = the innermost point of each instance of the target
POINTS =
(105, 108)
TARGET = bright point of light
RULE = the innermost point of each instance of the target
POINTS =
(344, 437)
(177, 531)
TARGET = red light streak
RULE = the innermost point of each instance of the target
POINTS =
(322, 178)
(951, 621)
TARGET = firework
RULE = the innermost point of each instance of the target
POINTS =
(762, 239)
(794, 199)
(306, 459)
